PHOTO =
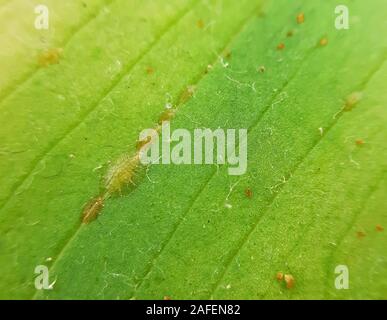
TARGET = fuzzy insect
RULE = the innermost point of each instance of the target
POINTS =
(379, 228)
(92, 210)
(121, 174)
(281, 46)
(50, 56)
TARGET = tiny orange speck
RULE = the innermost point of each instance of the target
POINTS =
(379, 228)
(279, 276)
(323, 42)
(281, 46)
(248, 193)
(289, 280)
(300, 18)
(359, 142)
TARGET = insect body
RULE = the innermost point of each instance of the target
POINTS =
(121, 174)
(289, 280)
(279, 276)
(92, 210)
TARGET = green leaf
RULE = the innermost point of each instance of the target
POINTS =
(22, 42)
(313, 194)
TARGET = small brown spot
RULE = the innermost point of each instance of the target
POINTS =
(300, 18)
(149, 70)
(200, 24)
(50, 56)
(279, 276)
(360, 234)
(261, 69)
(167, 298)
(281, 46)
(289, 280)
(289, 33)
(359, 142)
(379, 228)
(249, 193)
(323, 42)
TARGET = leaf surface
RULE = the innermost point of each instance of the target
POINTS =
(190, 231)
